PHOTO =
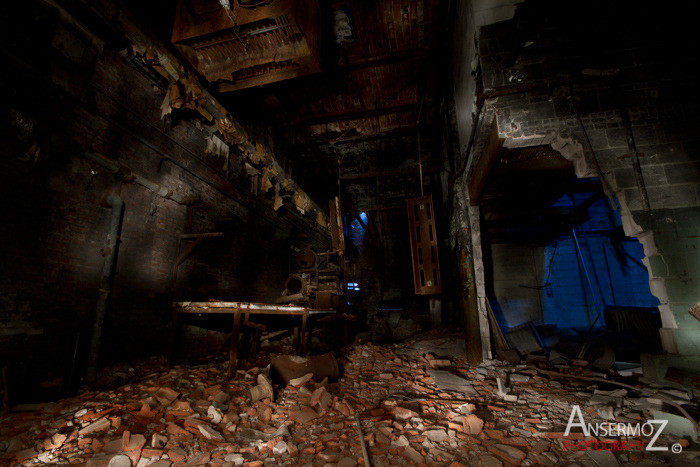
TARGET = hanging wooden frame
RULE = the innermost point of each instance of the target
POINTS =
(424, 247)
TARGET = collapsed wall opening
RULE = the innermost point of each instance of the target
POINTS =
(558, 263)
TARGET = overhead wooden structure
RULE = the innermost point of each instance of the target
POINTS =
(249, 43)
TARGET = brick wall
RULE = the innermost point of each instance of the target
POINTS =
(55, 226)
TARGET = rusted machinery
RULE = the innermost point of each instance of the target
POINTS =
(320, 280)
(245, 43)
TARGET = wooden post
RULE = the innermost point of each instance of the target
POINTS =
(302, 334)
(233, 351)
(174, 334)
(469, 306)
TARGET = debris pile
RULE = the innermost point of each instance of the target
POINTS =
(399, 403)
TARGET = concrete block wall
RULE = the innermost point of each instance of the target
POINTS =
(54, 227)
(516, 274)
(659, 93)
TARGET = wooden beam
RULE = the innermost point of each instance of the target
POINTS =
(411, 171)
(391, 133)
(387, 59)
(487, 159)
(361, 114)
(202, 235)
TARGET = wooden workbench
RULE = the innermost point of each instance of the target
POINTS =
(237, 309)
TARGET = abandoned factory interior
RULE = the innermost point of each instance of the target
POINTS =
(349, 233)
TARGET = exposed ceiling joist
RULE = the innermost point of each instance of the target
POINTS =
(361, 114)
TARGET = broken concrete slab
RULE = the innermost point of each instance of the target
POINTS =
(99, 425)
(109, 460)
(507, 453)
(210, 433)
(447, 381)
(603, 458)
(677, 425)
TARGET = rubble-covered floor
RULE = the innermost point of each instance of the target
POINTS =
(198, 416)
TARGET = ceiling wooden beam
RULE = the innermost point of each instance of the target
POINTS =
(360, 114)
(409, 171)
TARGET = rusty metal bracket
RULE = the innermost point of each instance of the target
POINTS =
(198, 238)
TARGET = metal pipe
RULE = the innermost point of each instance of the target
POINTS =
(632, 146)
(114, 167)
(365, 454)
(594, 159)
(472, 137)
(588, 278)
(117, 205)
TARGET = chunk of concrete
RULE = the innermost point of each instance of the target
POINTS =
(447, 381)
(677, 425)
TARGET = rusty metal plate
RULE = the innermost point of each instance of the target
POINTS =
(424, 247)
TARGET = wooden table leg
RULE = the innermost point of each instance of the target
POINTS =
(302, 334)
(233, 351)
(174, 334)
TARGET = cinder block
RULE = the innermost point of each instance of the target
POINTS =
(617, 138)
(657, 266)
(683, 290)
(672, 196)
(653, 175)
(662, 153)
(692, 261)
(625, 178)
(688, 172)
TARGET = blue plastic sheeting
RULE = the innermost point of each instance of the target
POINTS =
(547, 284)
(356, 233)
(614, 266)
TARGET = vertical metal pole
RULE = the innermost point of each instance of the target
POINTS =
(420, 158)
(117, 205)
(233, 350)
(632, 146)
(588, 278)
(420, 163)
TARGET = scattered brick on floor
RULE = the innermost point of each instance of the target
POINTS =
(199, 416)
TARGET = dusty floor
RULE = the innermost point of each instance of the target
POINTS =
(197, 416)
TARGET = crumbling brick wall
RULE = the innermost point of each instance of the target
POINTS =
(537, 104)
(55, 225)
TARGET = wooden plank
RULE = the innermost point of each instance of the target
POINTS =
(424, 247)
(336, 221)
(499, 340)
(185, 254)
(233, 350)
(404, 172)
(198, 311)
(242, 305)
(486, 162)
(202, 235)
